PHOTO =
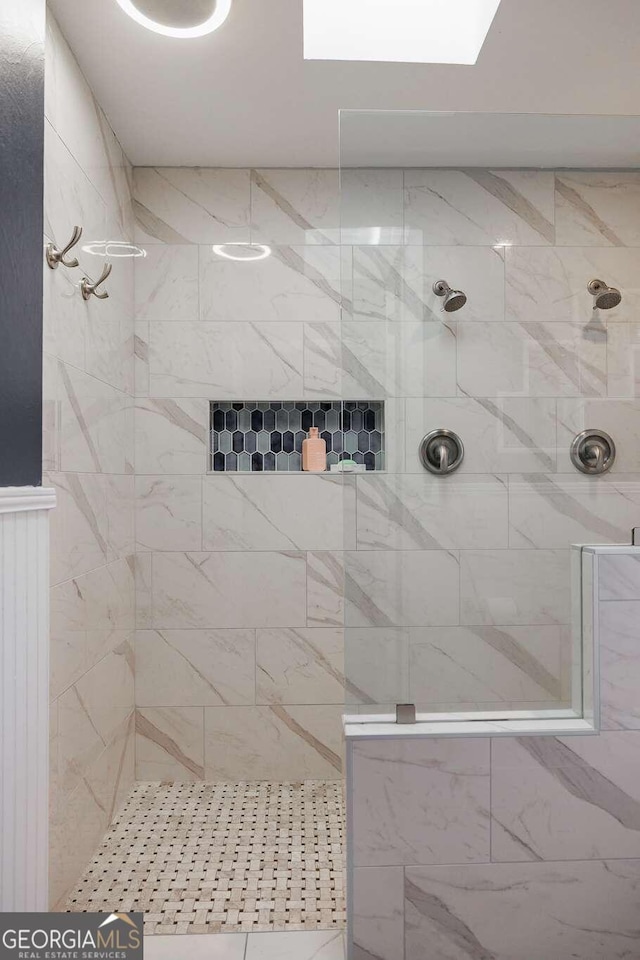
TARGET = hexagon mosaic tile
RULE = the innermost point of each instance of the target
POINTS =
(254, 436)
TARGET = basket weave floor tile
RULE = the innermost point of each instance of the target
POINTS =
(223, 857)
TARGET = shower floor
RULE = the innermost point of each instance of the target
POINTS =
(223, 857)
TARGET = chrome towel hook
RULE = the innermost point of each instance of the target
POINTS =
(88, 288)
(55, 256)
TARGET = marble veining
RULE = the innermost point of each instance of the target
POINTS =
(446, 906)
(423, 803)
(479, 207)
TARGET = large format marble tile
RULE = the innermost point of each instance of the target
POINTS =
(517, 587)
(291, 284)
(295, 206)
(65, 317)
(273, 743)
(171, 436)
(90, 713)
(109, 348)
(470, 666)
(262, 512)
(225, 361)
(70, 199)
(141, 357)
(395, 283)
(219, 946)
(170, 743)
(555, 511)
(168, 513)
(421, 802)
(295, 945)
(538, 911)
(166, 283)
(195, 668)
(378, 913)
(619, 665)
(619, 418)
(479, 207)
(82, 125)
(210, 589)
(386, 588)
(300, 666)
(67, 636)
(623, 360)
(142, 572)
(91, 615)
(108, 594)
(324, 361)
(376, 663)
(551, 283)
(411, 359)
(96, 424)
(191, 204)
(371, 206)
(571, 799)
(121, 508)
(500, 434)
(77, 827)
(619, 577)
(413, 512)
(79, 524)
(112, 774)
(599, 208)
(325, 589)
(532, 359)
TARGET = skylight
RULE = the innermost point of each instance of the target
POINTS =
(403, 31)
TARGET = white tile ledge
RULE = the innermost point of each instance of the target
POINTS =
(557, 727)
(21, 499)
(611, 548)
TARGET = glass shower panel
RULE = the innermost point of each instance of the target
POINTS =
(468, 243)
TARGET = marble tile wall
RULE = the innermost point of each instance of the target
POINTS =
(239, 648)
(88, 458)
(454, 593)
(451, 837)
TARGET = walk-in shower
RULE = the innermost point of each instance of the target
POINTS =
(491, 647)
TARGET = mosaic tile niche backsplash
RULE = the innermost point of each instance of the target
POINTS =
(254, 436)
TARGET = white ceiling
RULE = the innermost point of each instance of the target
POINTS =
(244, 96)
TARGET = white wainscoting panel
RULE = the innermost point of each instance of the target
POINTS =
(24, 696)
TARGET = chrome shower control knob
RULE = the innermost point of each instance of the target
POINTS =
(441, 452)
(593, 452)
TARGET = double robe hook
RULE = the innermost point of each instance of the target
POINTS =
(87, 286)
(55, 256)
(89, 289)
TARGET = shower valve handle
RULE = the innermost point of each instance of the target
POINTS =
(593, 452)
(441, 452)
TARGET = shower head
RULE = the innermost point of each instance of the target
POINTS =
(604, 297)
(453, 299)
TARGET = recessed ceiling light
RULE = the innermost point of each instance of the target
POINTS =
(177, 13)
(242, 251)
(406, 31)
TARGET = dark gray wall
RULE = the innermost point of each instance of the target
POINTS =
(22, 28)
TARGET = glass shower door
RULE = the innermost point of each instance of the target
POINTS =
(466, 314)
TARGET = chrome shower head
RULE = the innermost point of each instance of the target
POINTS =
(604, 297)
(453, 299)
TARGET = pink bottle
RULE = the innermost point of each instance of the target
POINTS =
(314, 452)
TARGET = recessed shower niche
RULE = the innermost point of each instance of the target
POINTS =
(252, 436)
